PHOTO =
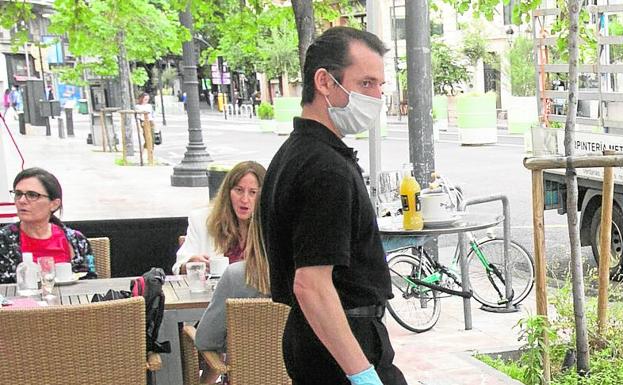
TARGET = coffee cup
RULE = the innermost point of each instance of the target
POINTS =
(218, 265)
(196, 276)
(63, 272)
(434, 207)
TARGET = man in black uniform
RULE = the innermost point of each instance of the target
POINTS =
(324, 249)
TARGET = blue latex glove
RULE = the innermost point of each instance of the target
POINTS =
(367, 377)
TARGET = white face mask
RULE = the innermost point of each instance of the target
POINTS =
(358, 115)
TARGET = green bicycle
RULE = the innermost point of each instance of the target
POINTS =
(419, 281)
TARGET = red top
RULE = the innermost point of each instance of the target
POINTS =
(235, 254)
(56, 246)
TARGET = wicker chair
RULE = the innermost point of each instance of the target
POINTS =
(101, 251)
(101, 343)
(254, 355)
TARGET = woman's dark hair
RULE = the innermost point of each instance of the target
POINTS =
(50, 184)
(331, 51)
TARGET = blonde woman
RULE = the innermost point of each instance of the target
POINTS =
(223, 228)
(234, 224)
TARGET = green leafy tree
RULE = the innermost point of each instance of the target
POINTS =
(15, 15)
(109, 34)
(474, 45)
(279, 52)
(521, 67)
(447, 68)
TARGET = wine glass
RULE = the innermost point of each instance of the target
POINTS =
(48, 275)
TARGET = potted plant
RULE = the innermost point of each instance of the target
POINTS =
(266, 113)
(449, 72)
(286, 108)
(522, 105)
(477, 118)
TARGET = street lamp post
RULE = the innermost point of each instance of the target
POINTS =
(164, 120)
(192, 170)
(396, 60)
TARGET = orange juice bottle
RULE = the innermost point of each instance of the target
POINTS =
(410, 197)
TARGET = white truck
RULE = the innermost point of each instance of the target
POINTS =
(589, 192)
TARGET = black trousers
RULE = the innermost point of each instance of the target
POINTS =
(308, 362)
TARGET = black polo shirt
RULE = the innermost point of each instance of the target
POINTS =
(315, 210)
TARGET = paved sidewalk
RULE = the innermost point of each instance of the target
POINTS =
(93, 186)
(443, 355)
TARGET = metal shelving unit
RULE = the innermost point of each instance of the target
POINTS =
(601, 104)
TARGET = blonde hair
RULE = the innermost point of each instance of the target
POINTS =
(256, 273)
(224, 227)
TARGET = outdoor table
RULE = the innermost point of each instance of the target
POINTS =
(180, 306)
(394, 237)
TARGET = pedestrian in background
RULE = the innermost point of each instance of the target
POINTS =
(211, 99)
(6, 101)
(325, 253)
(143, 106)
(16, 98)
(50, 92)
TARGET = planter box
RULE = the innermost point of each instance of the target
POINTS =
(171, 105)
(440, 108)
(286, 108)
(477, 118)
(522, 114)
(268, 125)
(216, 174)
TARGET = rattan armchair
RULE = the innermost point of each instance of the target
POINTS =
(101, 252)
(101, 343)
(254, 355)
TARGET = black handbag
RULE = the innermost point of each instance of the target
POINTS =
(157, 137)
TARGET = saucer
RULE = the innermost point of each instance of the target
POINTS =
(65, 283)
(440, 222)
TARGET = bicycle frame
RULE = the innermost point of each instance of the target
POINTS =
(431, 281)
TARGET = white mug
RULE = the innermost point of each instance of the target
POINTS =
(434, 207)
(218, 265)
(63, 272)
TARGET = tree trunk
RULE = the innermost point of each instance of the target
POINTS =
(126, 101)
(305, 27)
(285, 83)
(577, 274)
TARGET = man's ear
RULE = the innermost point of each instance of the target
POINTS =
(323, 82)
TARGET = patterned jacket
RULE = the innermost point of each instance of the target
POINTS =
(11, 254)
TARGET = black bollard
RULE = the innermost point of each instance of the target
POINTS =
(69, 119)
(21, 122)
(61, 129)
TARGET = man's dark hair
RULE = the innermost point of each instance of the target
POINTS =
(331, 51)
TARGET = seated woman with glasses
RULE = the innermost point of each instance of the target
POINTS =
(38, 195)
(222, 229)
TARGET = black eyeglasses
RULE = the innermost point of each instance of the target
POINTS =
(31, 196)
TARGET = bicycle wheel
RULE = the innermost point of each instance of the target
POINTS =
(414, 307)
(487, 287)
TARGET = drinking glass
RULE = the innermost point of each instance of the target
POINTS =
(48, 275)
(196, 276)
